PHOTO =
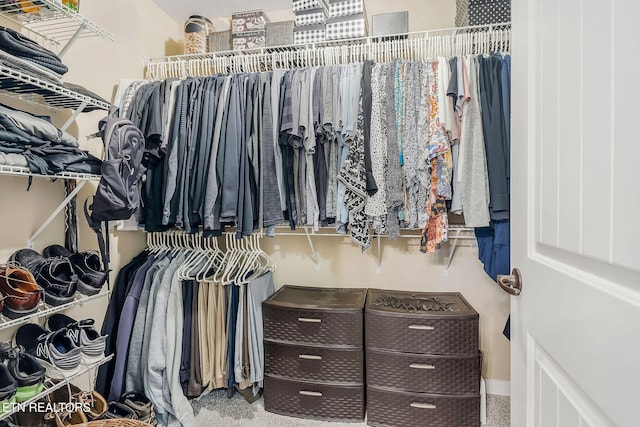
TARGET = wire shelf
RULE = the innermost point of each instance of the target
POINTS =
(21, 171)
(358, 41)
(51, 385)
(45, 310)
(32, 89)
(52, 21)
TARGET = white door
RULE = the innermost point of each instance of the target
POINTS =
(575, 192)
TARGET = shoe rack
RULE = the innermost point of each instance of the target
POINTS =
(58, 26)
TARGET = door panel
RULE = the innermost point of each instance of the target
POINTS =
(575, 197)
(562, 403)
(596, 171)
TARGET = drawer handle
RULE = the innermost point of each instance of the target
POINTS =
(421, 366)
(308, 320)
(311, 393)
(423, 405)
(421, 327)
(309, 357)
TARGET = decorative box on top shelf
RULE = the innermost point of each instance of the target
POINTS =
(300, 5)
(339, 8)
(220, 41)
(482, 12)
(347, 27)
(309, 34)
(280, 33)
(387, 24)
(242, 22)
(249, 40)
(316, 16)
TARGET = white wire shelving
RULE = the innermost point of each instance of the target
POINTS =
(51, 385)
(45, 310)
(52, 21)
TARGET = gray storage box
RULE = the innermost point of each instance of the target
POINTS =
(347, 27)
(388, 24)
(280, 33)
(311, 17)
(309, 34)
(242, 22)
(339, 8)
(482, 12)
(299, 5)
(220, 41)
(249, 40)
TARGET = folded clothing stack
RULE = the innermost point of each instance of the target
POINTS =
(24, 48)
(47, 149)
(22, 54)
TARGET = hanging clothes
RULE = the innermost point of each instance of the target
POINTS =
(252, 150)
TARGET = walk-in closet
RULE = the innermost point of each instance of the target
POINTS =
(415, 213)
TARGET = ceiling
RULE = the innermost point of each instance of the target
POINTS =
(181, 10)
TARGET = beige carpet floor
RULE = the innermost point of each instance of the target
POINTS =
(216, 409)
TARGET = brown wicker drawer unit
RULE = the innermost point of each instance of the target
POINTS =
(423, 363)
(314, 353)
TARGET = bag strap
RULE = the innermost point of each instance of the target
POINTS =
(102, 245)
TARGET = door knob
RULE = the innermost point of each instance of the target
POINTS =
(512, 283)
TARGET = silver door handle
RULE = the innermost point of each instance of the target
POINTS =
(512, 283)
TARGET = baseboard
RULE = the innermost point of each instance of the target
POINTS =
(501, 388)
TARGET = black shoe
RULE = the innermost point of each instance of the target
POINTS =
(83, 335)
(8, 388)
(54, 275)
(117, 410)
(25, 369)
(55, 351)
(87, 266)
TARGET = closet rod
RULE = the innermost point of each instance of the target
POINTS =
(414, 46)
(337, 43)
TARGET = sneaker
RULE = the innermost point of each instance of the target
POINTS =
(117, 410)
(97, 403)
(55, 351)
(142, 407)
(83, 335)
(8, 387)
(25, 369)
(55, 275)
(87, 266)
(22, 293)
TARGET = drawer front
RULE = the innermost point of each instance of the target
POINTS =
(401, 409)
(419, 335)
(424, 374)
(314, 327)
(314, 401)
(314, 364)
